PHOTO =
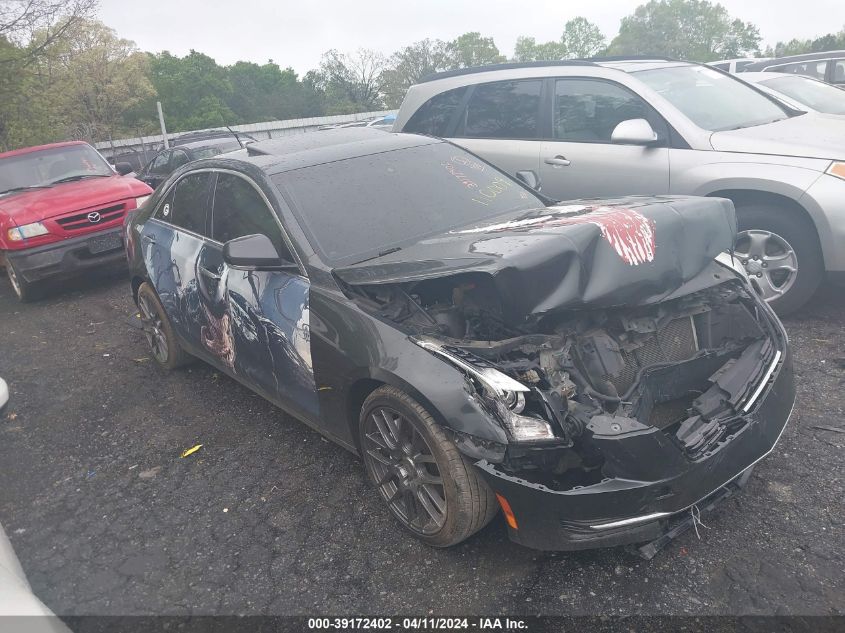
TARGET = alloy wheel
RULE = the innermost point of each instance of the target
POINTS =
(769, 260)
(153, 329)
(405, 470)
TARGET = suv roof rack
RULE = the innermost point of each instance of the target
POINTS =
(506, 66)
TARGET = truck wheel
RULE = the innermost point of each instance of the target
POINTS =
(25, 291)
(428, 485)
(164, 345)
(780, 253)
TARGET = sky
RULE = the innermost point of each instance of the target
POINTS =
(297, 33)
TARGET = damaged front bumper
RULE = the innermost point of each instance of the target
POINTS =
(654, 481)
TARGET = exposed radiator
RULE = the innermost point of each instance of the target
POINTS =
(675, 342)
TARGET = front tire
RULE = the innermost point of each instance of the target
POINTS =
(781, 254)
(429, 486)
(24, 290)
(164, 346)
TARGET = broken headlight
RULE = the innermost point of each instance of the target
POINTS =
(506, 395)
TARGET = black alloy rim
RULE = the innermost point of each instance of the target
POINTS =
(405, 470)
(153, 329)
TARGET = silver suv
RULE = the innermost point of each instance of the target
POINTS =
(637, 126)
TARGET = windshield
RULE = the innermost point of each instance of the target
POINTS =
(47, 167)
(710, 99)
(815, 94)
(355, 209)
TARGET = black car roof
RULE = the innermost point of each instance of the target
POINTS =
(325, 146)
(226, 140)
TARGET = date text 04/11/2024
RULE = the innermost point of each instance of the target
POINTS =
(418, 624)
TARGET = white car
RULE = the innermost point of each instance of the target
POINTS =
(20, 610)
(4, 396)
(736, 65)
(16, 597)
(800, 92)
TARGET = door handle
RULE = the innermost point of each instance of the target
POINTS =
(149, 239)
(210, 273)
(558, 161)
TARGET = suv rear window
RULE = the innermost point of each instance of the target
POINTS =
(434, 115)
(504, 109)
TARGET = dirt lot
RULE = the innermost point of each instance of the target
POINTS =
(268, 518)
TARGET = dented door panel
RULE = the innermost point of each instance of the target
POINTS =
(267, 314)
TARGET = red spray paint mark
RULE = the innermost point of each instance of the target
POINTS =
(631, 234)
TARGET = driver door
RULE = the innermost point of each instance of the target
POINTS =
(581, 161)
(258, 321)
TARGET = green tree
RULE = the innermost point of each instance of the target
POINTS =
(528, 50)
(193, 90)
(266, 93)
(27, 114)
(98, 77)
(349, 82)
(686, 29)
(471, 49)
(20, 20)
(581, 38)
(410, 64)
(829, 42)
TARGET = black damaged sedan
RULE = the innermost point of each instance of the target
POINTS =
(595, 369)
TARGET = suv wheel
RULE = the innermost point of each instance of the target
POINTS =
(781, 255)
(428, 485)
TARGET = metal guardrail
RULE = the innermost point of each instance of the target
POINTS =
(260, 131)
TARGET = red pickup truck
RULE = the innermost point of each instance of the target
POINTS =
(61, 212)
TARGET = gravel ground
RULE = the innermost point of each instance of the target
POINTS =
(269, 518)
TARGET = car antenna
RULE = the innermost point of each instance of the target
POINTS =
(238, 138)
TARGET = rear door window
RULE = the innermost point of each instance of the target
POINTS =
(434, 116)
(504, 109)
(839, 72)
(186, 204)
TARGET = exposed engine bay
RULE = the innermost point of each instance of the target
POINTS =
(566, 384)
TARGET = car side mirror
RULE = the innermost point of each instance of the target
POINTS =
(254, 252)
(123, 168)
(529, 179)
(634, 132)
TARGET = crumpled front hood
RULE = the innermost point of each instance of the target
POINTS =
(42, 204)
(591, 253)
(811, 135)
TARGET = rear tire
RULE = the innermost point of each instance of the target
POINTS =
(164, 346)
(412, 452)
(767, 236)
